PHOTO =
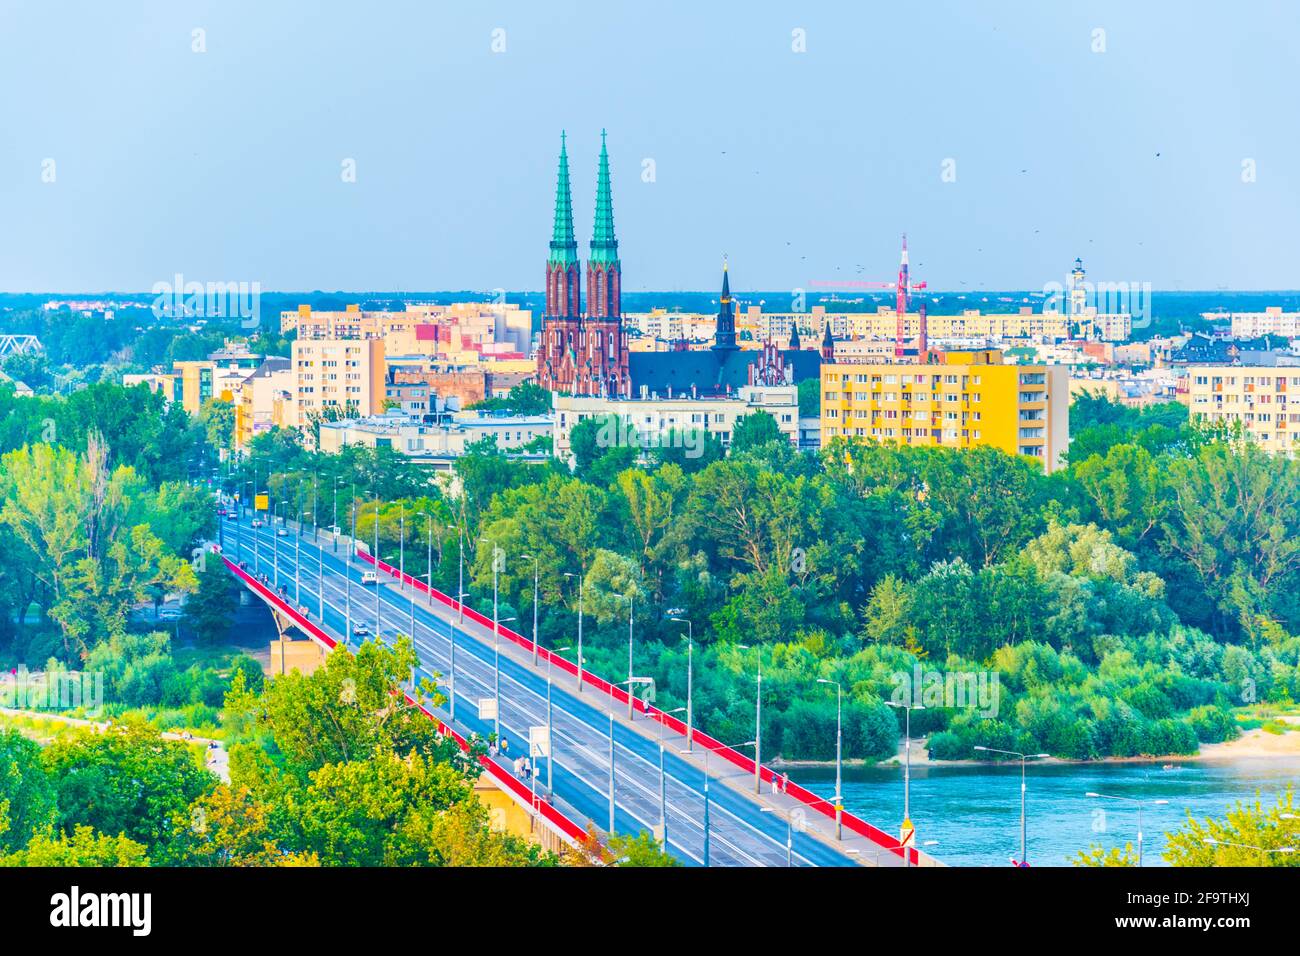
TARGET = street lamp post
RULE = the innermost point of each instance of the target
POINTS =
(907, 768)
(758, 719)
(297, 558)
(580, 577)
(275, 541)
(707, 752)
(1247, 846)
(690, 680)
(496, 642)
(378, 616)
(1024, 858)
(611, 771)
(839, 753)
(336, 515)
(533, 558)
(631, 714)
(347, 567)
(663, 778)
(460, 586)
(428, 521)
(1140, 804)
(451, 633)
(789, 833)
(550, 733)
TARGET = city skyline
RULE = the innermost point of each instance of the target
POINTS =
(251, 153)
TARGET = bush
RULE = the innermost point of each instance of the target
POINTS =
(1211, 724)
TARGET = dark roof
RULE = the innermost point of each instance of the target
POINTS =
(272, 363)
(711, 372)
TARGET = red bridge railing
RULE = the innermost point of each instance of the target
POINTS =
(566, 827)
(819, 804)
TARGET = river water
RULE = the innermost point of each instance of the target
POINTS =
(974, 811)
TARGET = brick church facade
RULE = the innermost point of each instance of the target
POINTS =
(584, 354)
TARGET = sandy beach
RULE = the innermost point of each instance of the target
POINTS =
(1251, 745)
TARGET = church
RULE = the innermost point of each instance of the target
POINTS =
(586, 354)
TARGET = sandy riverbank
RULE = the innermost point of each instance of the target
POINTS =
(1251, 745)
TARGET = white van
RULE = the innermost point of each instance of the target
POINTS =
(369, 577)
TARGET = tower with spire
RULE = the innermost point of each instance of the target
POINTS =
(563, 294)
(603, 269)
(724, 336)
(562, 320)
(603, 362)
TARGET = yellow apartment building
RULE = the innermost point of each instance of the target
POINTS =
(1265, 400)
(970, 398)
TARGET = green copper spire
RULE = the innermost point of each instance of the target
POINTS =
(604, 247)
(564, 246)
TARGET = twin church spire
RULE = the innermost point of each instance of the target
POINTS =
(584, 353)
(604, 280)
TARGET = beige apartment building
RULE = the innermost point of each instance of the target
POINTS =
(265, 400)
(1264, 400)
(334, 377)
(455, 331)
(971, 398)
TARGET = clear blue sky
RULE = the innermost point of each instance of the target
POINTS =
(225, 165)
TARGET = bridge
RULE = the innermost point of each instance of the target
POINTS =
(18, 344)
(597, 763)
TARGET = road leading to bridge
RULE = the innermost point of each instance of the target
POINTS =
(587, 727)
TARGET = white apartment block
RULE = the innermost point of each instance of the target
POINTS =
(654, 420)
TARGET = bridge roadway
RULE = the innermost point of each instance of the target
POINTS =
(740, 833)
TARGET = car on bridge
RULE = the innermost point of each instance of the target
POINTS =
(282, 532)
(257, 522)
(360, 630)
(369, 577)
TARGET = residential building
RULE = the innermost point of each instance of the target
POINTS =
(653, 421)
(1263, 400)
(1253, 325)
(265, 400)
(437, 444)
(337, 377)
(968, 399)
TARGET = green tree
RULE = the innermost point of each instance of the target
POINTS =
(84, 847)
(755, 430)
(127, 781)
(640, 850)
(1211, 842)
(210, 610)
(1099, 856)
(26, 791)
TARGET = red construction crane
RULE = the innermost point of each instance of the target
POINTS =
(902, 295)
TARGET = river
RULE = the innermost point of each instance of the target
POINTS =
(974, 811)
